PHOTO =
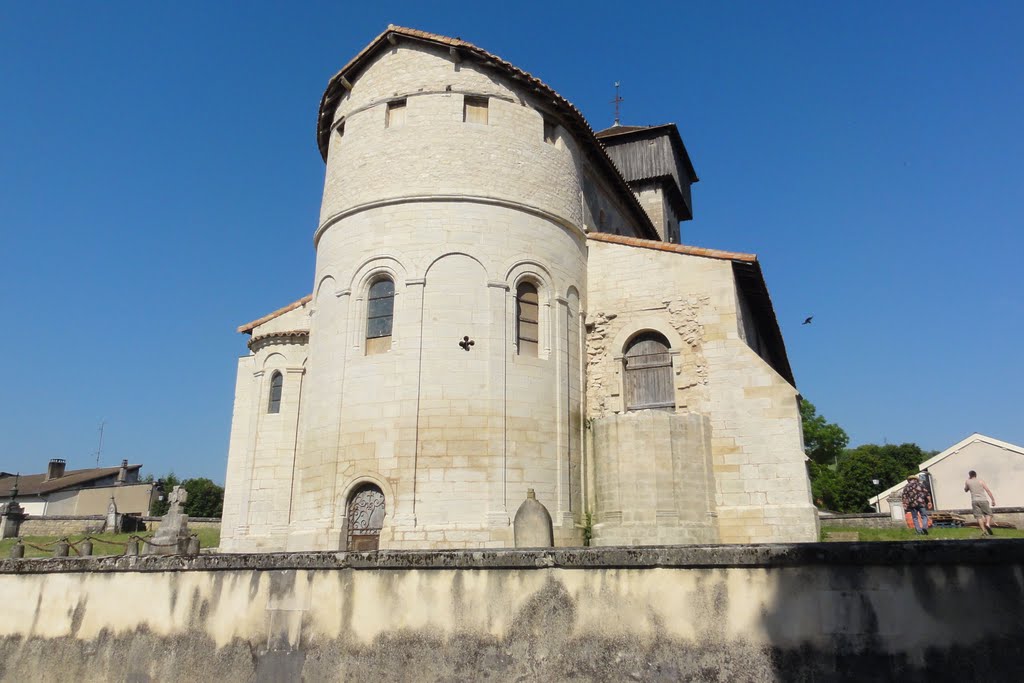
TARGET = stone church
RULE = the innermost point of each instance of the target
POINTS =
(502, 302)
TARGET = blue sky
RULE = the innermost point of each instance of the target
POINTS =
(160, 183)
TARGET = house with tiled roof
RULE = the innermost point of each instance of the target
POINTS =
(504, 312)
(60, 491)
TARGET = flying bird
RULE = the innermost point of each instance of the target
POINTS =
(808, 320)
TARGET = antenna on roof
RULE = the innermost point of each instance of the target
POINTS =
(616, 102)
(100, 448)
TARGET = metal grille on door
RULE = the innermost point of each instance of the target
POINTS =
(365, 519)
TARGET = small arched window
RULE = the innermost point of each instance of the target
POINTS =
(380, 316)
(648, 373)
(526, 319)
(276, 385)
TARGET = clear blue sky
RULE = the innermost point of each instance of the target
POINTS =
(160, 183)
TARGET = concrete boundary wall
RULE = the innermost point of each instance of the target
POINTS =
(842, 611)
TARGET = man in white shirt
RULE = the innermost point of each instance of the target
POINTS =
(979, 506)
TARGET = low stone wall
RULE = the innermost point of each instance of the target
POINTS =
(874, 520)
(70, 525)
(153, 523)
(944, 610)
(868, 520)
(61, 525)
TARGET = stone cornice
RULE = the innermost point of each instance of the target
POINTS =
(283, 337)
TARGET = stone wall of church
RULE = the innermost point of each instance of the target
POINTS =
(456, 214)
(261, 453)
(761, 489)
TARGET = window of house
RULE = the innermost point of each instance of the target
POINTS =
(380, 316)
(647, 373)
(276, 385)
(550, 132)
(526, 319)
(395, 116)
(474, 109)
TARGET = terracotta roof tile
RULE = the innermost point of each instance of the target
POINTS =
(35, 484)
(674, 248)
(249, 327)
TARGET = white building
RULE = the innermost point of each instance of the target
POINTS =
(501, 303)
(998, 463)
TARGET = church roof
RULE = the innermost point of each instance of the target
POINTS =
(572, 119)
(749, 279)
(249, 327)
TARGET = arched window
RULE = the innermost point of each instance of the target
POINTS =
(526, 319)
(276, 385)
(648, 373)
(380, 316)
(365, 517)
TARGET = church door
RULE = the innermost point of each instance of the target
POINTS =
(365, 518)
(648, 376)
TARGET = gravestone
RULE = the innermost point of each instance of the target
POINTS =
(532, 524)
(172, 536)
(113, 522)
(11, 516)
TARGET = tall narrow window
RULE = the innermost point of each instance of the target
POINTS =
(474, 109)
(276, 385)
(648, 373)
(395, 115)
(526, 319)
(380, 316)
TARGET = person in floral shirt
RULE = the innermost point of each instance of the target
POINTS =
(917, 500)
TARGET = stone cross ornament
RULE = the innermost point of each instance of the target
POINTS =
(178, 497)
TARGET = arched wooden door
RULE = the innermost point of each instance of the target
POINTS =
(648, 373)
(365, 518)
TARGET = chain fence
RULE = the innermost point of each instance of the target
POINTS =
(62, 546)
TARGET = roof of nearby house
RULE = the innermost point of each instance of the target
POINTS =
(570, 116)
(36, 484)
(749, 279)
(952, 450)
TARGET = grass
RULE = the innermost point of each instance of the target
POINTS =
(934, 534)
(109, 544)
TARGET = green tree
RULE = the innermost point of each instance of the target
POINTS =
(167, 484)
(859, 467)
(824, 441)
(205, 498)
(825, 485)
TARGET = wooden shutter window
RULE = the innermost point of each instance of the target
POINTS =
(648, 373)
(380, 311)
(276, 387)
(474, 109)
(527, 333)
(395, 114)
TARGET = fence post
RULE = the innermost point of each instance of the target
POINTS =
(133, 546)
(18, 550)
(86, 548)
(61, 549)
(193, 545)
